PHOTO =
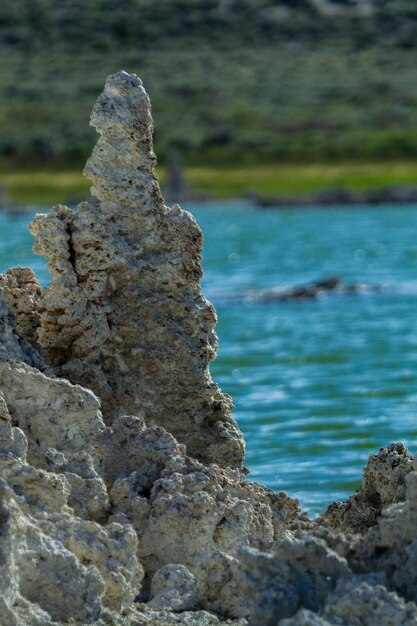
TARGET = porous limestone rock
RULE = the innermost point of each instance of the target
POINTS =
(56, 457)
(390, 547)
(22, 294)
(326, 576)
(267, 587)
(366, 605)
(124, 314)
(129, 446)
(185, 513)
(153, 617)
(52, 412)
(15, 346)
(174, 588)
(146, 517)
(383, 484)
(55, 566)
(41, 582)
(110, 548)
(358, 604)
(59, 420)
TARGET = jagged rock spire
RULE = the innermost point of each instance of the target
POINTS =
(124, 313)
(121, 166)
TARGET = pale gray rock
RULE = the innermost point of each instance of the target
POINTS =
(297, 573)
(124, 314)
(304, 617)
(59, 569)
(88, 495)
(129, 446)
(55, 451)
(111, 549)
(151, 617)
(366, 605)
(184, 512)
(56, 565)
(174, 588)
(360, 604)
(41, 581)
(52, 412)
(13, 443)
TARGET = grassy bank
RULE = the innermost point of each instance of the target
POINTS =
(28, 187)
(270, 80)
(300, 179)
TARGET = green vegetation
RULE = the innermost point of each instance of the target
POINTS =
(231, 81)
(44, 187)
(299, 179)
(222, 182)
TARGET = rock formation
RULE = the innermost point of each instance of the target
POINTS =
(124, 314)
(19, 319)
(122, 499)
(383, 484)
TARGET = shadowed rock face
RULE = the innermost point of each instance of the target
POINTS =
(124, 314)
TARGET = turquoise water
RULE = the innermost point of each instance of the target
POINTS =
(318, 385)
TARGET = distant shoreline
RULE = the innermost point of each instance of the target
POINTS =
(341, 196)
(266, 184)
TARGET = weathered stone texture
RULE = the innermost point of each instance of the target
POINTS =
(296, 573)
(22, 294)
(143, 515)
(124, 314)
(390, 547)
(358, 605)
(383, 484)
(56, 563)
(13, 344)
(184, 513)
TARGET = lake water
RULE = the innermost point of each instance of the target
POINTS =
(318, 384)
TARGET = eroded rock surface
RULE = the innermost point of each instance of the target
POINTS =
(383, 484)
(124, 314)
(123, 499)
(186, 515)
(16, 323)
(390, 547)
(22, 294)
(296, 573)
(358, 605)
(56, 563)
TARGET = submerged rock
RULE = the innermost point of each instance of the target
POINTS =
(123, 499)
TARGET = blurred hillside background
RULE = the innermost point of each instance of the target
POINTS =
(248, 93)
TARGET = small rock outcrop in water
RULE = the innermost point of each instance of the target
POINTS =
(341, 196)
(123, 501)
(124, 314)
